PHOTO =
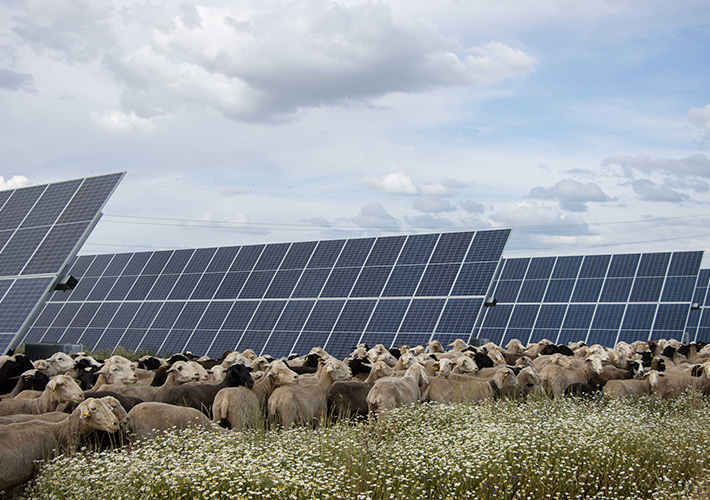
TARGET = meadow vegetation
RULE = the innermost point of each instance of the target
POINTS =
(534, 449)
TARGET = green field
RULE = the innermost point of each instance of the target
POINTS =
(505, 449)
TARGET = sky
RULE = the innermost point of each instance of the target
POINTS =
(584, 125)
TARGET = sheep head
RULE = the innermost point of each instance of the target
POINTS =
(95, 414)
(63, 389)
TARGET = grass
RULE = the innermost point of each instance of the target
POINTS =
(496, 450)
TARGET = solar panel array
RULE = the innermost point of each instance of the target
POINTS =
(41, 229)
(698, 327)
(600, 299)
(278, 298)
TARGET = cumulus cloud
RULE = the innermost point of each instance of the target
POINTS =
(446, 187)
(123, 123)
(429, 222)
(581, 172)
(647, 190)
(700, 117)
(395, 183)
(317, 221)
(433, 205)
(697, 165)
(572, 195)
(375, 216)
(472, 207)
(534, 218)
(13, 80)
(14, 182)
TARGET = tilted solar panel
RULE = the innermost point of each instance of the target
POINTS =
(278, 298)
(41, 229)
(600, 299)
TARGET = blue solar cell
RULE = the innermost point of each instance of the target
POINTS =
(298, 255)
(608, 316)
(19, 250)
(523, 316)
(705, 318)
(271, 257)
(532, 291)
(280, 344)
(521, 334)
(437, 280)
(411, 339)
(507, 291)
(52, 254)
(671, 317)
(417, 249)
(685, 263)
(326, 253)
(371, 281)
(654, 264)
(225, 340)
(52, 335)
(163, 286)
(90, 198)
(385, 251)
(124, 315)
(214, 316)
(540, 268)
(142, 287)
(498, 316)
(167, 315)
(104, 316)
(646, 290)
(256, 285)
(678, 289)
(49, 312)
(83, 289)
(34, 335)
(487, 246)
(324, 315)
(154, 338)
(355, 252)
(51, 204)
(247, 257)
(207, 286)
(19, 301)
(157, 262)
(67, 314)
(567, 267)
(84, 316)
(283, 284)
(294, 316)
(459, 316)
(222, 260)
(175, 342)
(579, 317)
(514, 269)
(703, 335)
(568, 335)
(311, 283)
(309, 340)
(253, 340)
(184, 287)
(136, 264)
(388, 316)
(559, 290)
(550, 316)
(98, 266)
(699, 296)
(145, 315)
(451, 247)
(587, 290)
(340, 282)
(403, 281)
(422, 315)
(604, 337)
(115, 268)
(703, 277)
(474, 279)
(231, 285)
(190, 315)
(623, 265)
(18, 206)
(178, 261)
(495, 335)
(200, 260)
(132, 338)
(639, 317)
(81, 264)
(240, 315)
(594, 266)
(539, 334)
(266, 315)
(200, 341)
(693, 318)
(340, 345)
(616, 290)
(354, 316)
(372, 339)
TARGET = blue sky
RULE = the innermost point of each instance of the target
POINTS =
(583, 125)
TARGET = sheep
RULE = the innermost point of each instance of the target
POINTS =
(467, 388)
(306, 402)
(563, 371)
(22, 445)
(14, 366)
(146, 420)
(348, 398)
(632, 387)
(60, 389)
(389, 392)
(240, 407)
(179, 373)
(201, 396)
(115, 371)
(33, 380)
(671, 385)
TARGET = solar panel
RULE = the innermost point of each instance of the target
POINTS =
(41, 229)
(599, 299)
(281, 298)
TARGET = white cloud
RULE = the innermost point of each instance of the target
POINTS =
(395, 183)
(700, 117)
(375, 216)
(572, 195)
(432, 205)
(472, 207)
(123, 123)
(13, 80)
(429, 222)
(14, 182)
(534, 218)
(647, 190)
(445, 187)
(317, 221)
(693, 165)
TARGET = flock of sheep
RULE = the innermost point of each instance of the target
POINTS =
(56, 405)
